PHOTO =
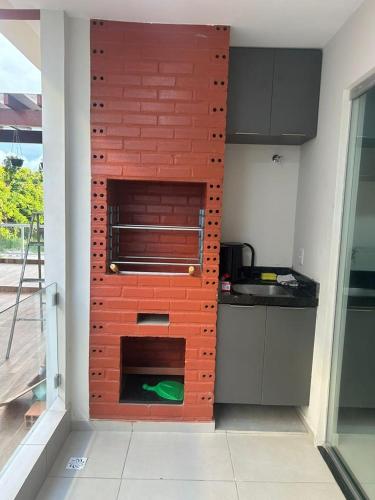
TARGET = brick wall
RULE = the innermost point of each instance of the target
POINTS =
(158, 101)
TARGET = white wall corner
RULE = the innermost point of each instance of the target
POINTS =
(52, 35)
(78, 162)
(347, 59)
(65, 46)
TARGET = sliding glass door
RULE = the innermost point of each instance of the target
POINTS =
(351, 423)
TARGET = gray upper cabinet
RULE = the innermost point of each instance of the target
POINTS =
(295, 98)
(250, 91)
(288, 356)
(273, 95)
(239, 354)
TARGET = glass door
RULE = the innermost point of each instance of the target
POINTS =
(351, 422)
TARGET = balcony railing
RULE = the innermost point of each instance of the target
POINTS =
(13, 245)
(28, 377)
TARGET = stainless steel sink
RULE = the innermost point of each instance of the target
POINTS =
(361, 292)
(262, 290)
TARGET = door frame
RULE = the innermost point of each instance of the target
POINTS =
(329, 312)
(343, 272)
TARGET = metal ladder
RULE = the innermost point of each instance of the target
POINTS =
(38, 242)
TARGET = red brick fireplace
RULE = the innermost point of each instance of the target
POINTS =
(158, 109)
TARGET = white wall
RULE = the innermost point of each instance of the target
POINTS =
(78, 164)
(259, 202)
(54, 147)
(65, 46)
(24, 35)
(347, 59)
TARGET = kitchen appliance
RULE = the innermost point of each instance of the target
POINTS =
(231, 259)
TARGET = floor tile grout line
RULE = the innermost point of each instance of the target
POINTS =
(260, 481)
(177, 479)
(123, 467)
(119, 489)
(87, 477)
(231, 461)
(126, 456)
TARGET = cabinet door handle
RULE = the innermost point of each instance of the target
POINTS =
(297, 135)
(291, 308)
(240, 305)
(247, 133)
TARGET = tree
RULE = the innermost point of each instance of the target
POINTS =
(21, 194)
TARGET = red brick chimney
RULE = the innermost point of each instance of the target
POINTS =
(158, 110)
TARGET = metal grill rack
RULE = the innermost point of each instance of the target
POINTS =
(115, 227)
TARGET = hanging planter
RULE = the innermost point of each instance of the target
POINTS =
(15, 161)
(15, 156)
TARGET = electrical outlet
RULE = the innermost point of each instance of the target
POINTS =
(301, 256)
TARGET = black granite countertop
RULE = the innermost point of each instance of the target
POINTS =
(305, 295)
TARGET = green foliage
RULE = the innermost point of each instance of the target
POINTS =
(21, 194)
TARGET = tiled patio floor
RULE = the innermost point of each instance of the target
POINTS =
(190, 466)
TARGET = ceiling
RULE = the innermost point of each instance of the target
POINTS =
(282, 23)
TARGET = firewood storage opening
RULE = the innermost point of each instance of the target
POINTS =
(146, 364)
(155, 227)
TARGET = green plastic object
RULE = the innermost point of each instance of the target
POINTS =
(167, 389)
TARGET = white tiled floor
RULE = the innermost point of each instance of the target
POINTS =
(187, 466)
(106, 452)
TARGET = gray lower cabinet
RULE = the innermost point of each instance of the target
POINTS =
(239, 355)
(288, 356)
(264, 354)
(358, 367)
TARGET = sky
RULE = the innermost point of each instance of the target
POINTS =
(18, 74)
